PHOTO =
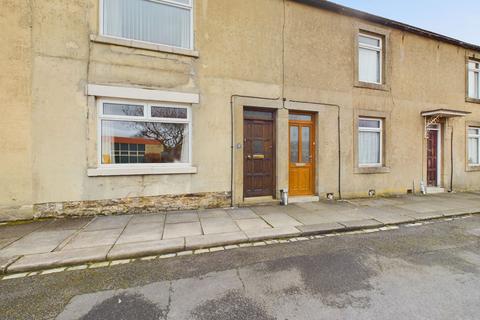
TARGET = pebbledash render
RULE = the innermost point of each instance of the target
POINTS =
(126, 106)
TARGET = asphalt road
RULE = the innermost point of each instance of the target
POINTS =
(426, 272)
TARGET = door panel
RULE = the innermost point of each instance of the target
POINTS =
(302, 151)
(432, 158)
(258, 156)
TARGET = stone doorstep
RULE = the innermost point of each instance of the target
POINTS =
(131, 250)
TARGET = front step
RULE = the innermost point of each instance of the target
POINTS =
(302, 199)
(432, 190)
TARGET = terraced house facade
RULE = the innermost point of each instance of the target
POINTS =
(144, 105)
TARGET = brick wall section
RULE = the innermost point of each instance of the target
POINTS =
(133, 205)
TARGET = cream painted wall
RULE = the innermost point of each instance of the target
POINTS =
(49, 124)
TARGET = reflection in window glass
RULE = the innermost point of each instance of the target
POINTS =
(144, 142)
(305, 144)
(474, 146)
(294, 144)
(166, 112)
(115, 109)
(261, 115)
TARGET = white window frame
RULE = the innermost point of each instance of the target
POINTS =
(472, 135)
(378, 49)
(172, 3)
(476, 93)
(145, 118)
(368, 129)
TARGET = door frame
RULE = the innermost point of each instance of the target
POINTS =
(313, 143)
(273, 111)
(438, 128)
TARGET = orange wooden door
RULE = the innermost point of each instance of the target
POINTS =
(301, 154)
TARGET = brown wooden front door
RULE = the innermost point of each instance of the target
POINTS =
(302, 154)
(432, 158)
(258, 153)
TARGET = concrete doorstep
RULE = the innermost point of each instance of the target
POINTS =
(78, 256)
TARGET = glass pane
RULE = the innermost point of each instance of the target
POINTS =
(294, 144)
(474, 131)
(473, 150)
(148, 21)
(369, 65)
(165, 112)
(149, 142)
(261, 115)
(365, 123)
(471, 84)
(257, 147)
(300, 117)
(116, 109)
(369, 147)
(369, 41)
(305, 144)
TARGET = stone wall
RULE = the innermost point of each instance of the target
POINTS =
(133, 205)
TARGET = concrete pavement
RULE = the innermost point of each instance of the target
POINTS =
(429, 271)
(64, 242)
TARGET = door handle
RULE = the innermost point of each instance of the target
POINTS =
(249, 156)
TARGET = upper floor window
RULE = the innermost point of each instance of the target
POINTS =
(165, 22)
(474, 79)
(370, 51)
(473, 146)
(370, 142)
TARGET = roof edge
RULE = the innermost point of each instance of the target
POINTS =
(334, 7)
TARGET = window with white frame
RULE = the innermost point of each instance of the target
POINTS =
(135, 133)
(165, 22)
(474, 146)
(370, 53)
(474, 79)
(370, 140)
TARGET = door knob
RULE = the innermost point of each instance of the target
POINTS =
(249, 156)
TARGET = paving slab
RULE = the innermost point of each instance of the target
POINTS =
(215, 213)
(242, 213)
(66, 224)
(36, 242)
(212, 240)
(218, 225)
(314, 217)
(179, 217)
(252, 224)
(19, 230)
(5, 262)
(386, 217)
(141, 232)
(365, 223)
(6, 242)
(59, 258)
(148, 248)
(281, 232)
(427, 215)
(178, 230)
(148, 218)
(280, 220)
(261, 210)
(87, 239)
(108, 222)
(321, 228)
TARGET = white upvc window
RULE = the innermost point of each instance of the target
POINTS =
(143, 134)
(474, 146)
(474, 79)
(163, 22)
(370, 52)
(370, 142)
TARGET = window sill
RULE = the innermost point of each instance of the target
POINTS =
(143, 45)
(374, 86)
(471, 168)
(371, 170)
(472, 100)
(139, 171)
